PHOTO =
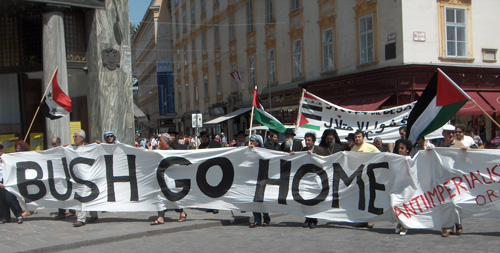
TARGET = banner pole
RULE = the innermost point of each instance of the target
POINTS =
(300, 108)
(485, 113)
(37, 109)
(251, 116)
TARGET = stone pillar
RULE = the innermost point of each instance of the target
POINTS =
(54, 55)
(110, 101)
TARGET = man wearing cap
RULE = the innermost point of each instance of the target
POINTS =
(290, 144)
(272, 142)
(206, 142)
(110, 138)
(450, 142)
(175, 143)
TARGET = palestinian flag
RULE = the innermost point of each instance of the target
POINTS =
(264, 117)
(310, 111)
(441, 100)
(55, 104)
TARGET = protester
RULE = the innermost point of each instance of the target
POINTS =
(240, 139)
(330, 142)
(56, 142)
(477, 140)
(450, 141)
(79, 140)
(422, 144)
(290, 144)
(272, 142)
(256, 141)
(362, 146)
(110, 138)
(467, 141)
(206, 142)
(350, 142)
(22, 146)
(175, 141)
(377, 142)
(402, 132)
(164, 143)
(404, 149)
(310, 139)
(223, 139)
(8, 201)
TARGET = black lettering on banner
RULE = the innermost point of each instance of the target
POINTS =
(301, 172)
(94, 190)
(263, 180)
(227, 177)
(111, 179)
(23, 183)
(339, 173)
(375, 186)
(52, 184)
(184, 183)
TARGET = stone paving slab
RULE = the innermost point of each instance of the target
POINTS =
(42, 233)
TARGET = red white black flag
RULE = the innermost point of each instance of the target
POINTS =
(236, 76)
(56, 103)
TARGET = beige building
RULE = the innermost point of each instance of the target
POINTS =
(361, 54)
(151, 57)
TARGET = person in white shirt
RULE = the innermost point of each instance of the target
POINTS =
(467, 141)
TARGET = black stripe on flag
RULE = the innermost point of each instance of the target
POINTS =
(312, 107)
(311, 116)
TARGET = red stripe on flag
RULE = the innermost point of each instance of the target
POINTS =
(255, 101)
(307, 95)
(58, 95)
(303, 120)
(447, 93)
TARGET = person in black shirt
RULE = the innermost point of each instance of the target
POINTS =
(272, 142)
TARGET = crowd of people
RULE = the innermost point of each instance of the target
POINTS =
(458, 136)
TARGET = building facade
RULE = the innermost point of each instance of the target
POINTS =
(361, 54)
(88, 42)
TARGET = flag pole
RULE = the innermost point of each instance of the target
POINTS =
(300, 108)
(37, 109)
(467, 95)
(251, 117)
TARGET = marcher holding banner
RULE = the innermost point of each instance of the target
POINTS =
(257, 142)
(404, 148)
(164, 143)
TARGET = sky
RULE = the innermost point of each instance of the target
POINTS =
(137, 9)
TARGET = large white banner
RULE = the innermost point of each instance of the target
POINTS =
(431, 190)
(317, 114)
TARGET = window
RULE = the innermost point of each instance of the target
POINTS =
(251, 70)
(219, 88)
(187, 94)
(196, 92)
(193, 17)
(184, 21)
(269, 11)
(202, 7)
(185, 55)
(366, 49)
(297, 58)
(216, 36)
(328, 63)
(271, 66)
(295, 5)
(232, 35)
(250, 17)
(234, 83)
(204, 42)
(205, 85)
(193, 50)
(456, 32)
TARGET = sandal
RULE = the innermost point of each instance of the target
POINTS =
(20, 220)
(182, 218)
(253, 225)
(156, 222)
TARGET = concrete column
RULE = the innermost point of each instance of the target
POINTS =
(109, 89)
(54, 55)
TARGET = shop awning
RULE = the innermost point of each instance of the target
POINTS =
(471, 109)
(493, 98)
(365, 103)
(138, 113)
(228, 116)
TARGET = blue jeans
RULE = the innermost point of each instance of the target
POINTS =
(257, 218)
